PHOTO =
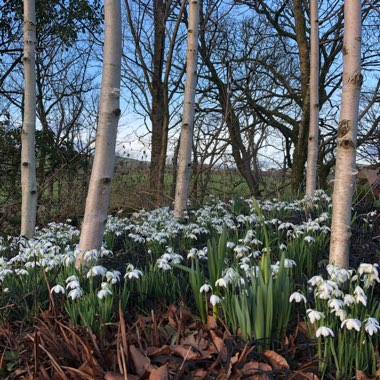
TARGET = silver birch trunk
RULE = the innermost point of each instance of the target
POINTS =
(312, 152)
(99, 190)
(28, 157)
(186, 138)
(347, 132)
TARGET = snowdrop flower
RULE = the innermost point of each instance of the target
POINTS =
(324, 331)
(21, 272)
(314, 315)
(57, 289)
(367, 268)
(96, 271)
(372, 326)
(205, 288)
(241, 250)
(348, 299)
(192, 253)
(214, 300)
(308, 239)
(71, 278)
(132, 272)
(75, 293)
(297, 297)
(351, 323)
(288, 263)
(113, 276)
(369, 273)
(105, 291)
(283, 247)
(315, 280)
(91, 255)
(335, 304)
(221, 282)
(73, 285)
(360, 296)
(163, 264)
(341, 313)
(230, 244)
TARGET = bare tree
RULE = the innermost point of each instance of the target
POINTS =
(347, 136)
(109, 112)
(148, 73)
(186, 138)
(312, 151)
(28, 159)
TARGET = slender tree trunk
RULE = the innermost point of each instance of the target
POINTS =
(157, 115)
(28, 159)
(302, 132)
(186, 142)
(99, 191)
(175, 170)
(312, 152)
(347, 135)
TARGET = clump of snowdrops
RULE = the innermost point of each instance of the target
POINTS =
(344, 318)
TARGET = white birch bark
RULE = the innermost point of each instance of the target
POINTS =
(347, 136)
(99, 191)
(312, 152)
(28, 159)
(186, 138)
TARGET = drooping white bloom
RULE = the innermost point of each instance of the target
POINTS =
(349, 299)
(360, 296)
(71, 278)
(205, 288)
(351, 323)
(113, 276)
(335, 304)
(297, 297)
(341, 313)
(372, 326)
(131, 272)
(315, 280)
(241, 250)
(75, 293)
(163, 264)
(324, 331)
(230, 244)
(314, 315)
(221, 282)
(214, 300)
(308, 239)
(367, 268)
(105, 291)
(57, 289)
(91, 255)
(192, 253)
(97, 270)
(369, 274)
(73, 285)
(288, 263)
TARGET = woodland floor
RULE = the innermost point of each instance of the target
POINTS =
(170, 343)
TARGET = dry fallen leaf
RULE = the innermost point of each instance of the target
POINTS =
(255, 368)
(276, 360)
(219, 344)
(306, 376)
(198, 374)
(360, 375)
(156, 351)
(211, 322)
(160, 373)
(140, 361)
(185, 351)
